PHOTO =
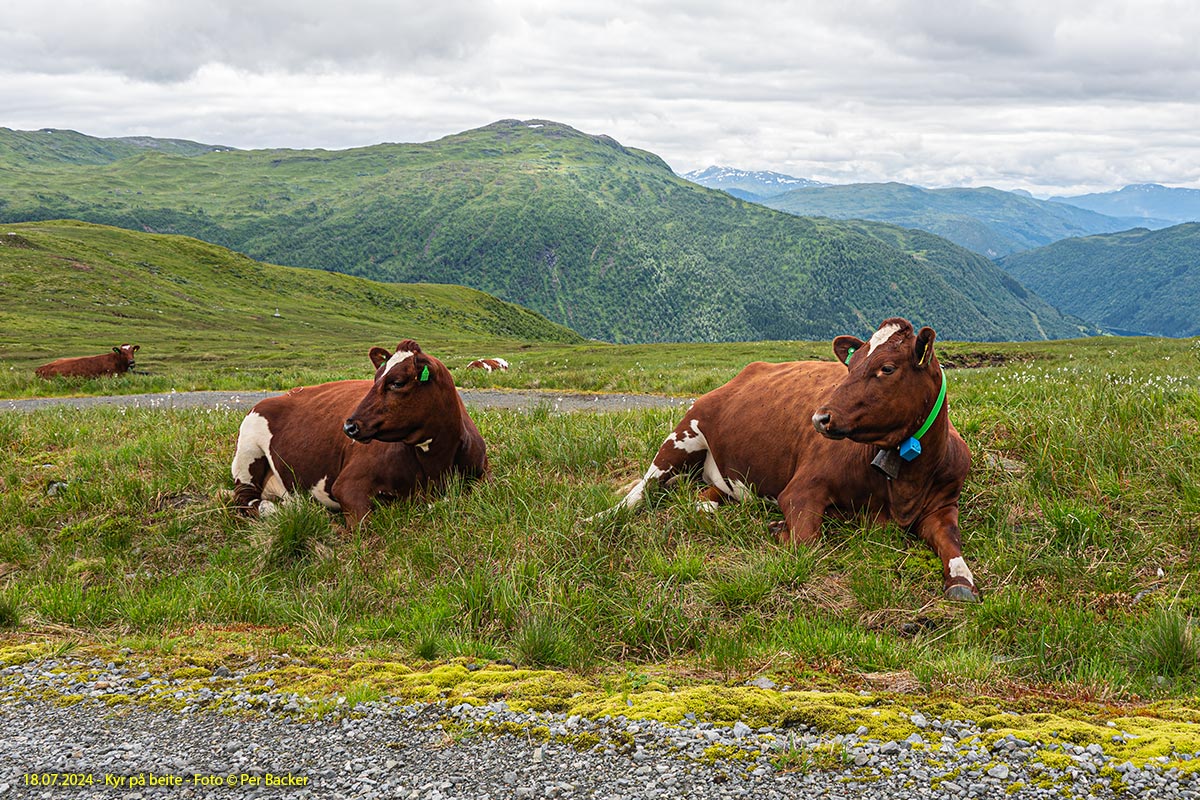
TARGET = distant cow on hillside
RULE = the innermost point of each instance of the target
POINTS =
(349, 442)
(489, 364)
(119, 361)
(870, 434)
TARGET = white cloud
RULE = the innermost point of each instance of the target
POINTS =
(1056, 96)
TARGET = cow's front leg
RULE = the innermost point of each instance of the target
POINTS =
(940, 532)
(803, 507)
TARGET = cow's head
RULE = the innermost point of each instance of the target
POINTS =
(125, 354)
(411, 388)
(892, 384)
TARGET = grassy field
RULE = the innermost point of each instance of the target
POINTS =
(1080, 521)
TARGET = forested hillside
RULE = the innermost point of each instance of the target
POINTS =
(1138, 282)
(602, 238)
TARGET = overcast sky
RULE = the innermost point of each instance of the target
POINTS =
(1051, 96)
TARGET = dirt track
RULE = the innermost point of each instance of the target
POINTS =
(477, 398)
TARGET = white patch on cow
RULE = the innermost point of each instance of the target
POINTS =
(882, 335)
(486, 365)
(638, 492)
(321, 492)
(397, 358)
(503, 364)
(710, 506)
(424, 446)
(266, 508)
(959, 569)
(254, 442)
(691, 444)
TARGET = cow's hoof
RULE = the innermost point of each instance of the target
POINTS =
(961, 594)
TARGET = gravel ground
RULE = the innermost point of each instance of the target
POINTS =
(479, 398)
(388, 749)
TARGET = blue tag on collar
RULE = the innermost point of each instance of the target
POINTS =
(910, 449)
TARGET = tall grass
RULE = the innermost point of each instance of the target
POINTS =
(1081, 491)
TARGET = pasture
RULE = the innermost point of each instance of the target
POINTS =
(1080, 521)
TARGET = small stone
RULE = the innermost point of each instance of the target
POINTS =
(999, 771)
(762, 682)
(222, 671)
(919, 720)
(741, 729)
(861, 730)
(889, 748)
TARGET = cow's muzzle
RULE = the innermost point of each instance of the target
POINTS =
(823, 422)
(352, 429)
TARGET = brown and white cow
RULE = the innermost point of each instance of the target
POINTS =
(119, 361)
(489, 364)
(349, 442)
(821, 437)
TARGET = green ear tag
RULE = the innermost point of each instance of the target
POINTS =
(425, 374)
(849, 355)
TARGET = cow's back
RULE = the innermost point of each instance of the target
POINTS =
(759, 424)
(305, 426)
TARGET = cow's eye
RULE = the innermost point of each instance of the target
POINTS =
(887, 369)
(396, 384)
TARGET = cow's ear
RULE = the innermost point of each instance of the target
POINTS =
(423, 367)
(844, 347)
(116, 350)
(923, 353)
(379, 356)
(137, 347)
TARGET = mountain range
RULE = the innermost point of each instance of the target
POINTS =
(1134, 282)
(989, 221)
(1149, 202)
(755, 186)
(600, 237)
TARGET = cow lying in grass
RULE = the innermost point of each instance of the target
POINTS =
(349, 442)
(118, 362)
(827, 438)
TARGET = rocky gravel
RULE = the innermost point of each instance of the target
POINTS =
(61, 735)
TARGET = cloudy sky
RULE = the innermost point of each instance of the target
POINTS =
(1053, 96)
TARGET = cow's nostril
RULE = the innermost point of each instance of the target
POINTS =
(351, 428)
(820, 421)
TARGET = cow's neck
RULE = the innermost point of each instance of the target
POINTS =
(908, 490)
(439, 437)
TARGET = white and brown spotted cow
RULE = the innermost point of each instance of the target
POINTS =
(821, 437)
(118, 362)
(489, 364)
(349, 442)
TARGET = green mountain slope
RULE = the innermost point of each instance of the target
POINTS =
(53, 146)
(1139, 281)
(988, 221)
(596, 236)
(73, 288)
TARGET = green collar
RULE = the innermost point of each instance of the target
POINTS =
(937, 408)
(910, 448)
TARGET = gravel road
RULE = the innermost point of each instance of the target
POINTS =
(479, 398)
(266, 746)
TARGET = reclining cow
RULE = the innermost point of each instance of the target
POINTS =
(349, 442)
(870, 434)
(119, 361)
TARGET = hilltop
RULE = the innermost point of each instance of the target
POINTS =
(599, 237)
(1149, 202)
